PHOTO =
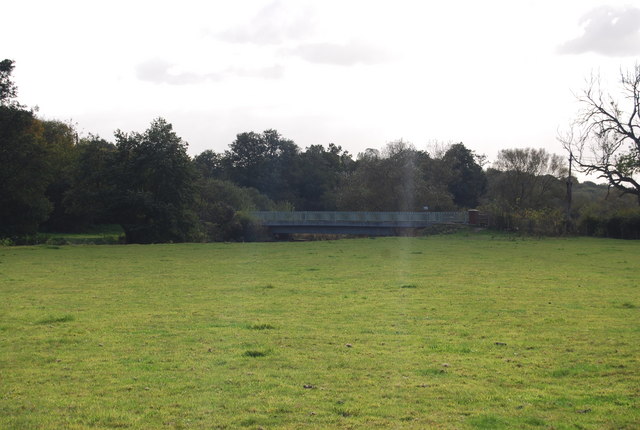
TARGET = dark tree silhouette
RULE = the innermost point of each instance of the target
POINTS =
(154, 185)
(8, 89)
(468, 182)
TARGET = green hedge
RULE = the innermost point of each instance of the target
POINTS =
(539, 222)
(624, 224)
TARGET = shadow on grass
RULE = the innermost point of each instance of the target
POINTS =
(261, 327)
(52, 320)
(254, 353)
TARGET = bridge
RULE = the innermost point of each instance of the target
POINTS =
(357, 223)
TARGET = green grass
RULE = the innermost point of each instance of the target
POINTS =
(99, 235)
(456, 332)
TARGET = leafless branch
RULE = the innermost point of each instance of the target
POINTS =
(605, 137)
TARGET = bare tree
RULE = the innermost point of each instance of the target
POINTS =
(605, 137)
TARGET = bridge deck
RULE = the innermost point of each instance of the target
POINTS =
(379, 223)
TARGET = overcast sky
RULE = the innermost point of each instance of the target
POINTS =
(491, 74)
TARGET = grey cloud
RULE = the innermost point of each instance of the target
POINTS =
(272, 25)
(341, 54)
(159, 71)
(607, 31)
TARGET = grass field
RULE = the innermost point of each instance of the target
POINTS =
(465, 331)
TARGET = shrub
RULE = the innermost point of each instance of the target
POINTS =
(539, 222)
(622, 224)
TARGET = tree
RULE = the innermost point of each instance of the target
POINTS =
(318, 176)
(468, 181)
(27, 166)
(92, 190)
(8, 89)
(25, 173)
(209, 164)
(605, 138)
(526, 178)
(60, 140)
(222, 207)
(392, 181)
(265, 161)
(154, 185)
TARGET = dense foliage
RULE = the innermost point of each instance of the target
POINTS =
(52, 180)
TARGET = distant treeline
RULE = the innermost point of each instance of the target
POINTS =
(51, 180)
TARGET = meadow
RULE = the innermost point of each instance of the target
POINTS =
(468, 331)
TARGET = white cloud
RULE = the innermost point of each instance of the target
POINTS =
(293, 29)
(341, 54)
(269, 72)
(274, 24)
(160, 71)
(608, 31)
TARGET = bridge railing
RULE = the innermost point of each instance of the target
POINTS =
(359, 218)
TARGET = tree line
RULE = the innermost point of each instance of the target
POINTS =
(53, 180)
